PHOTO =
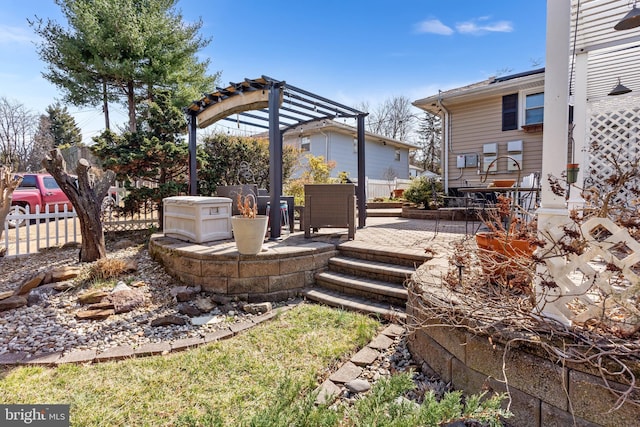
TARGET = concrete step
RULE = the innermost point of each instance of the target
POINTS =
(399, 256)
(397, 212)
(375, 290)
(371, 269)
(354, 303)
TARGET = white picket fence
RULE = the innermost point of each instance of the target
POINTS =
(383, 188)
(55, 228)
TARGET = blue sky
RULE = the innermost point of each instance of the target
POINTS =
(351, 51)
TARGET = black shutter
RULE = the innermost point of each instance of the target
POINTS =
(510, 112)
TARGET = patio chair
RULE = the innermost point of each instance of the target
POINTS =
(329, 205)
(232, 191)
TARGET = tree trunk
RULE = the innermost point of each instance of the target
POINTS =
(7, 184)
(105, 106)
(86, 197)
(131, 101)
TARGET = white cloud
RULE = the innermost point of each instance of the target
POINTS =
(11, 35)
(474, 28)
(434, 26)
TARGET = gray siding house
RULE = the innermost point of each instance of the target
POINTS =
(486, 121)
(337, 142)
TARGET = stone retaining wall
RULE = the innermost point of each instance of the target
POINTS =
(543, 393)
(276, 274)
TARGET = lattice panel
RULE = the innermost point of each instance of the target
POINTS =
(600, 284)
(615, 131)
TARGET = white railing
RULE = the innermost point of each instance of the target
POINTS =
(48, 229)
(39, 230)
(383, 188)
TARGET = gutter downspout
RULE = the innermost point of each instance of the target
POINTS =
(447, 146)
(326, 146)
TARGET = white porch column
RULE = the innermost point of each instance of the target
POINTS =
(553, 209)
(580, 132)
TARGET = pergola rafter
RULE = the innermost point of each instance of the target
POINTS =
(266, 98)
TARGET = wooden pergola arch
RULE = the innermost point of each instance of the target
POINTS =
(278, 107)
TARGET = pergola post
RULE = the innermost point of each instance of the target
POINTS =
(193, 172)
(362, 184)
(275, 160)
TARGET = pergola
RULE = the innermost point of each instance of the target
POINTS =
(277, 107)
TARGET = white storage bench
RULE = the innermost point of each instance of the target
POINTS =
(197, 219)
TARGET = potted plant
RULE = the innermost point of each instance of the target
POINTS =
(249, 228)
(506, 249)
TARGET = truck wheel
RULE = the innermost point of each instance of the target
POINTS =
(16, 210)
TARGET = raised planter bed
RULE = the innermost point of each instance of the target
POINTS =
(544, 391)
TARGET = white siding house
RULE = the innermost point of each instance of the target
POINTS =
(385, 158)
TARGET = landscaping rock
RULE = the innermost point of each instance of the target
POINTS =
(64, 286)
(168, 320)
(138, 284)
(40, 295)
(258, 308)
(346, 373)
(103, 305)
(125, 299)
(92, 297)
(185, 293)
(29, 284)
(358, 385)
(328, 392)
(204, 304)
(12, 302)
(60, 274)
(188, 309)
(99, 314)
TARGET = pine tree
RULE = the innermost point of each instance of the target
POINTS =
(123, 50)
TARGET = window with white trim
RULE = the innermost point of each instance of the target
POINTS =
(305, 143)
(532, 108)
(397, 155)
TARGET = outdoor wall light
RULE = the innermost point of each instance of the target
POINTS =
(620, 89)
(631, 20)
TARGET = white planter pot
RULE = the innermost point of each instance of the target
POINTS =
(249, 233)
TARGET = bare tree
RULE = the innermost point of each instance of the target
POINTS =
(17, 126)
(393, 118)
(8, 182)
(86, 196)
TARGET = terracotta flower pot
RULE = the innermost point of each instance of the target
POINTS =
(502, 259)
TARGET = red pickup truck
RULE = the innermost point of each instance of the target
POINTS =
(37, 189)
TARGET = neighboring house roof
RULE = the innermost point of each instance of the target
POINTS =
(492, 85)
(422, 172)
(324, 125)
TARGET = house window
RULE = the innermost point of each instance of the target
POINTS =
(510, 112)
(355, 145)
(397, 155)
(534, 109)
(305, 143)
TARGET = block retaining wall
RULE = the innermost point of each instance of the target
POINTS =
(543, 393)
(277, 274)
